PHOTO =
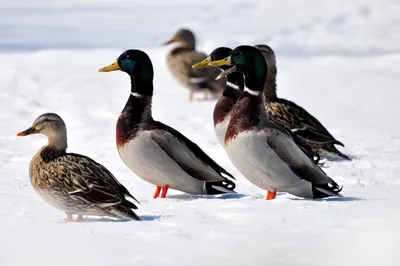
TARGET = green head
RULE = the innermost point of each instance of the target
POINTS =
(138, 66)
(217, 54)
(221, 53)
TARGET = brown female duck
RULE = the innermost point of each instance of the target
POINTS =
(294, 117)
(180, 61)
(72, 182)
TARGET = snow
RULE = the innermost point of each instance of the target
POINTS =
(337, 59)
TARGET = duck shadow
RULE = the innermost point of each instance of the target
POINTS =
(340, 199)
(332, 199)
(189, 197)
(143, 218)
(333, 159)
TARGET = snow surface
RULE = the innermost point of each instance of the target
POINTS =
(338, 59)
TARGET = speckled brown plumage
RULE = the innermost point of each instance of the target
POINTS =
(72, 182)
(297, 119)
(180, 61)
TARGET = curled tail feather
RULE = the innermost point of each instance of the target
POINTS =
(219, 187)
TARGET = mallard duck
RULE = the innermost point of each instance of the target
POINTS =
(259, 147)
(72, 182)
(180, 61)
(233, 89)
(154, 151)
(294, 117)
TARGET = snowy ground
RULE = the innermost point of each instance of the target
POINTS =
(340, 60)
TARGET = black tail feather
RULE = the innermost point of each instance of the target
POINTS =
(220, 187)
(326, 190)
(124, 210)
(329, 150)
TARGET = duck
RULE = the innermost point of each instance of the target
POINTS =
(180, 60)
(154, 151)
(233, 89)
(296, 118)
(259, 147)
(71, 182)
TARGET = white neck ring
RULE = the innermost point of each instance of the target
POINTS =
(137, 95)
(251, 92)
(233, 86)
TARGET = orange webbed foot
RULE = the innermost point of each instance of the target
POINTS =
(270, 195)
(164, 192)
(157, 192)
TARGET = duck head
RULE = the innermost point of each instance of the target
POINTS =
(138, 66)
(270, 83)
(50, 125)
(249, 61)
(220, 54)
(184, 37)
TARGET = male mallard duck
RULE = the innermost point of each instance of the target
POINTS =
(154, 151)
(180, 61)
(260, 148)
(294, 117)
(233, 89)
(72, 182)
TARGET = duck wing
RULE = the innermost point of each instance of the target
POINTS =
(197, 78)
(94, 184)
(287, 150)
(188, 155)
(300, 121)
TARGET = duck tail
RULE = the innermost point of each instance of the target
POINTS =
(219, 187)
(330, 150)
(338, 143)
(326, 190)
(124, 210)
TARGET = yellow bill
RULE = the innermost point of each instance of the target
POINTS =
(203, 63)
(113, 67)
(222, 62)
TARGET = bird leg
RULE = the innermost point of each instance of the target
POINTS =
(79, 218)
(157, 193)
(69, 218)
(270, 195)
(191, 95)
(164, 192)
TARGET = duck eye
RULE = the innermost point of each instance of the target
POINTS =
(46, 120)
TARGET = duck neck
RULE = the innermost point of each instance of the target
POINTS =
(249, 110)
(188, 44)
(137, 110)
(248, 113)
(254, 85)
(270, 83)
(232, 92)
(58, 141)
(138, 106)
(235, 81)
